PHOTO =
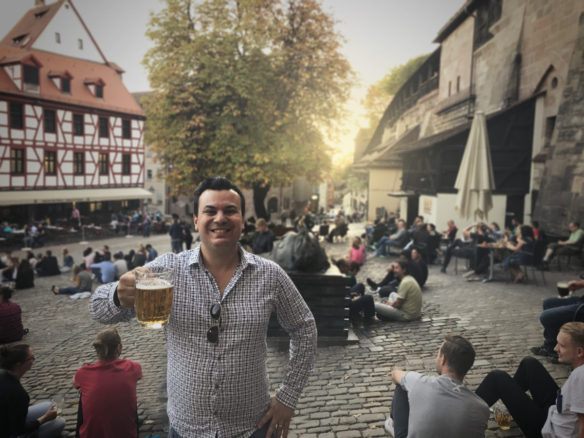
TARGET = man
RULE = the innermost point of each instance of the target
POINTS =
(48, 265)
(408, 304)
(152, 253)
(566, 247)
(398, 239)
(548, 413)
(105, 271)
(120, 265)
(556, 312)
(176, 235)
(263, 241)
(391, 282)
(467, 246)
(425, 406)
(216, 335)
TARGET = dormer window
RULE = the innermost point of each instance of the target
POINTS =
(20, 39)
(40, 13)
(62, 80)
(57, 37)
(30, 74)
(80, 44)
(95, 86)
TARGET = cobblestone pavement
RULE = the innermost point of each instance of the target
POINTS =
(350, 392)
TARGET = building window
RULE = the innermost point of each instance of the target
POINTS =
(31, 74)
(149, 173)
(50, 165)
(103, 164)
(99, 91)
(80, 44)
(66, 85)
(126, 164)
(550, 125)
(449, 88)
(79, 163)
(457, 84)
(103, 127)
(57, 37)
(17, 161)
(78, 126)
(126, 129)
(50, 121)
(16, 115)
(488, 13)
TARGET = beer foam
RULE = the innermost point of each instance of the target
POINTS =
(153, 283)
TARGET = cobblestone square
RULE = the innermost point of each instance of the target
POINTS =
(350, 392)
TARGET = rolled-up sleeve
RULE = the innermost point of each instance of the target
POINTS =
(297, 319)
(102, 307)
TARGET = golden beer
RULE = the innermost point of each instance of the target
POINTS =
(503, 419)
(153, 299)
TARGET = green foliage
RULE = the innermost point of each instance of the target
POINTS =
(243, 89)
(398, 75)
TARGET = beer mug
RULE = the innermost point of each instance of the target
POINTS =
(502, 415)
(563, 289)
(153, 300)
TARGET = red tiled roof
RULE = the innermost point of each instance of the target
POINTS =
(115, 95)
(32, 24)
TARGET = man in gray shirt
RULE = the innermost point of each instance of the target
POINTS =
(440, 406)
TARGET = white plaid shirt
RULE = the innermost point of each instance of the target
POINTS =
(221, 390)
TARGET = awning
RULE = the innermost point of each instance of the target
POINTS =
(20, 197)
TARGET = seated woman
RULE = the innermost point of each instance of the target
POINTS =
(81, 280)
(357, 252)
(522, 253)
(68, 261)
(108, 390)
(18, 418)
(11, 329)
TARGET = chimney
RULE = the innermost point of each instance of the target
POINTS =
(38, 3)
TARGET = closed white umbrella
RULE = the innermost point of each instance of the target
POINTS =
(475, 181)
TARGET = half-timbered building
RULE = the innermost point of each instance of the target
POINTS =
(70, 132)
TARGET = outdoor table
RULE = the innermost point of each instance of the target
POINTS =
(493, 249)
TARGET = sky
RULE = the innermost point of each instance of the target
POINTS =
(379, 34)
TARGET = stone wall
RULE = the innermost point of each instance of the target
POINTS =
(560, 198)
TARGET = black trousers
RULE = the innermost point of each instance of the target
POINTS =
(530, 413)
(400, 412)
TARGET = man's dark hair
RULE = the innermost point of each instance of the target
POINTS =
(459, 354)
(12, 355)
(217, 183)
(148, 246)
(49, 253)
(404, 266)
(6, 293)
(526, 232)
(576, 224)
(535, 224)
(107, 256)
(119, 255)
(354, 267)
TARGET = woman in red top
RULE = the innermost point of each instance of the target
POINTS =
(11, 328)
(108, 391)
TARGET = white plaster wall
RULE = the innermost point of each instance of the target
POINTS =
(443, 210)
(69, 26)
(382, 182)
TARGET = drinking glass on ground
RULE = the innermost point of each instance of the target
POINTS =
(563, 289)
(502, 415)
(58, 401)
(153, 300)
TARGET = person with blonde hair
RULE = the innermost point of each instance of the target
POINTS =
(551, 411)
(108, 391)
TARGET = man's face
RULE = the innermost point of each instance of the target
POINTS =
(219, 220)
(397, 269)
(572, 227)
(567, 351)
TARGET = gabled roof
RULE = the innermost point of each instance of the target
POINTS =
(115, 96)
(32, 25)
(35, 20)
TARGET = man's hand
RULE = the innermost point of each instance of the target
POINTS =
(279, 417)
(127, 288)
(51, 414)
(575, 285)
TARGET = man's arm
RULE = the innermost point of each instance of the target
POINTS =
(397, 303)
(105, 305)
(397, 375)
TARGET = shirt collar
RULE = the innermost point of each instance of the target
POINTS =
(245, 257)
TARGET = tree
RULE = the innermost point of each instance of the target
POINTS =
(380, 94)
(247, 89)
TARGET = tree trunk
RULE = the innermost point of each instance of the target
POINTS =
(259, 196)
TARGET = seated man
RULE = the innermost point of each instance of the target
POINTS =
(398, 239)
(416, 268)
(408, 304)
(571, 246)
(466, 248)
(48, 265)
(361, 304)
(263, 240)
(556, 312)
(105, 271)
(548, 412)
(428, 406)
